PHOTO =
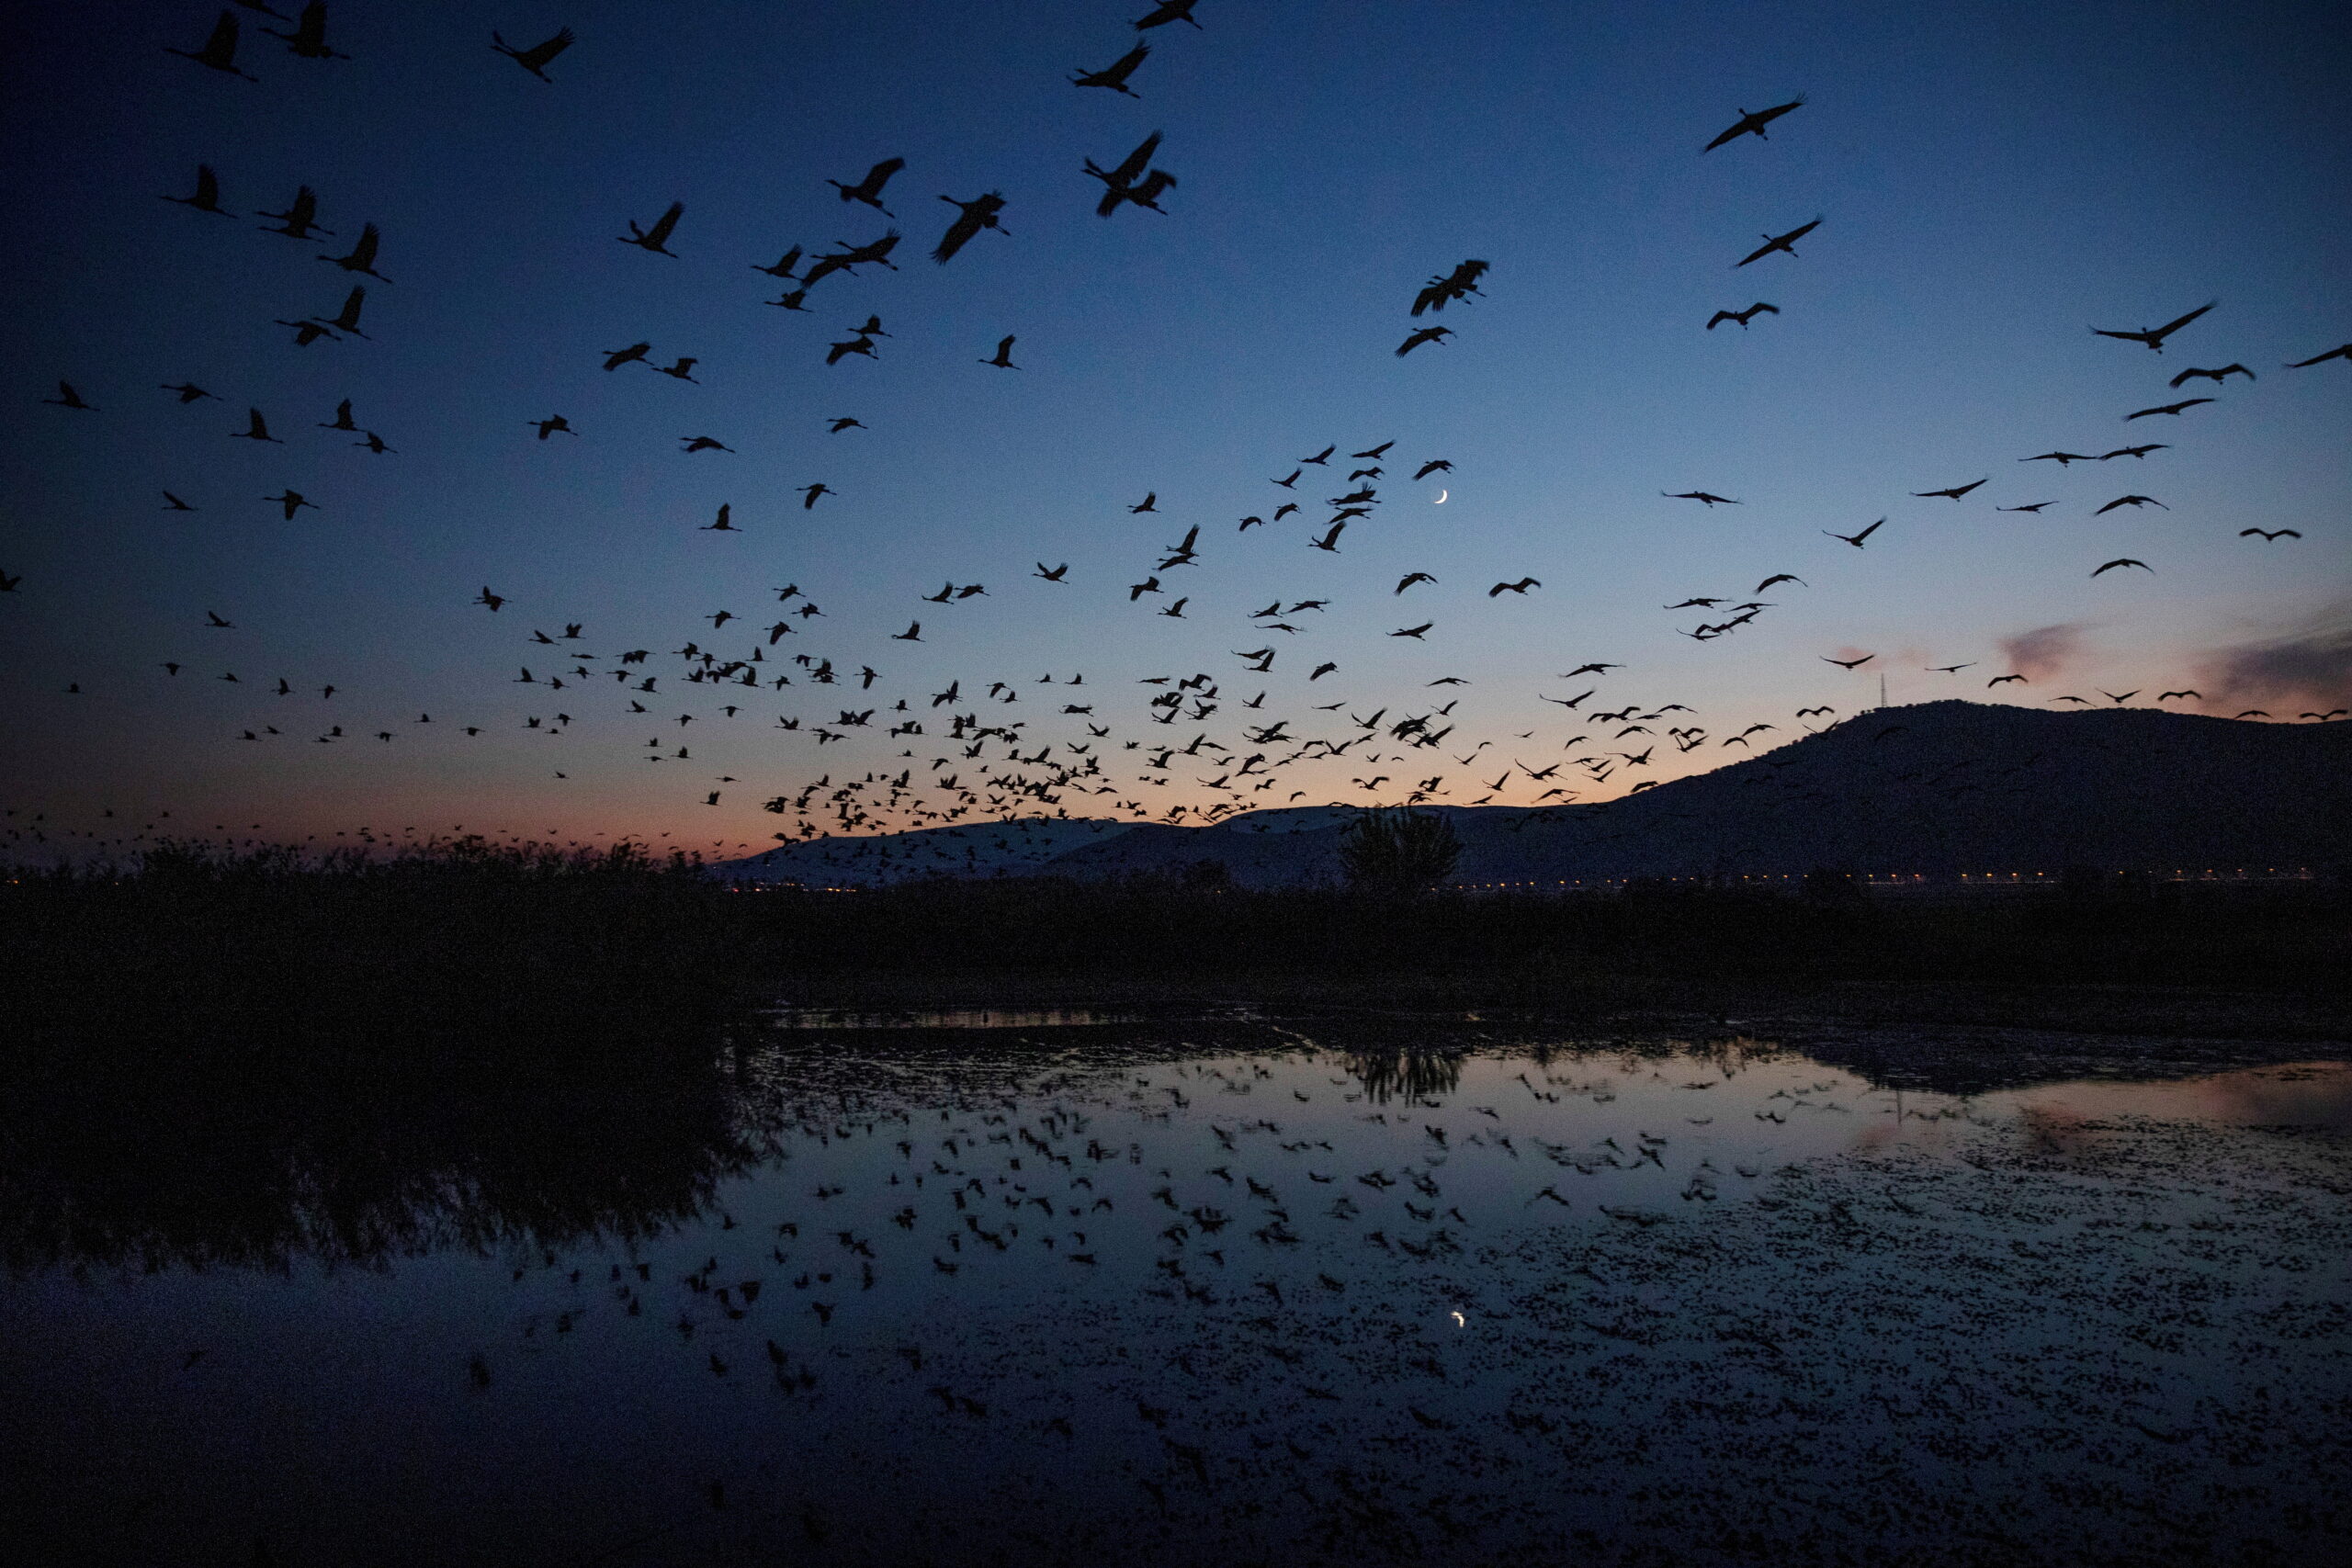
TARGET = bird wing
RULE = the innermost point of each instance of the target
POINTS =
(2171, 327)
(1130, 171)
(659, 233)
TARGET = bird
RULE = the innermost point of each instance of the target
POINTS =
(2000, 680)
(2141, 451)
(1742, 317)
(1413, 632)
(1329, 541)
(1411, 578)
(1120, 183)
(858, 344)
(722, 523)
(1520, 587)
(363, 253)
(703, 443)
(1002, 360)
(1150, 502)
(299, 220)
(1780, 577)
(1950, 669)
(656, 239)
(2129, 500)
(2167, 408)
(1051, 574)
(2167, 696)
(213, 622)
(1434, 466)
(1459, 284)
(869, 189)
(535, 57)
(1699, 495)
(549, 425)
(309, 38)
(1753, 124)
(809, 492)
(293, 502)
(972, 217)
(2155, 336)
(256, 429)
(1324, 456)
(839, 424)
(342, 420)
(190, 392)
(2123, 561)
(1777, 242)
(492, 599)
(67, 397)
(2270, 535)
(2031, 506)
(1956, 491)
(1168, 11)
(785, 264)
(684, 370)
(2216, 376)
(1856, 539)
(912, 634)
(633, 354)
(2118, 697)
(347, 320)
(174, 503)
(1849, 663)
(1425, 334)
(220, 51)
(1114, 76)
(2341, 350)
(2061, 458)
(208, 194)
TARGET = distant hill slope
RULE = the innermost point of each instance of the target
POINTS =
(970, 849)
(1935, 788)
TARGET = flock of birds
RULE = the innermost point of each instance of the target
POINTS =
(1270, 724)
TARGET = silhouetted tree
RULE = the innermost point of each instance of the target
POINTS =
(1398, 851)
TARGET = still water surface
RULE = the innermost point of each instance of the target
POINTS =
(1097, 1295)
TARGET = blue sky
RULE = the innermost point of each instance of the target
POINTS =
(1992, 181)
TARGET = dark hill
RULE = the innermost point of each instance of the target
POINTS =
(1937, 789)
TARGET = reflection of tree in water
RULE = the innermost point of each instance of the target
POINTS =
(1407, 1072)
(280, 1164)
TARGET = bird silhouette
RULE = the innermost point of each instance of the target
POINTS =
(363, 254)
(2270, 536)
(67, 397)
(1114, 76)
(2155, 336)
(292, 501)
(309, 38)
(220, 51)
(972, 217)
(2123, 561)
(2167, 408)
(2216, 376)
(2341, 350)
(1742, 317)
(1120, 183)
(2139, 451)
(1777, 242)
(2130, 501)
(1448, 287)
(1520, 587)
(535, 59)
(1699, 495)
(1052, 574)
(869, 189)
(1002, 360)
(256, 429)
(1956, 491)
(207, 198)
(1856, 539)
(1411, 578)
(1425, 334)
(2001, 680)
(299, 220)
(549, 425)
(656, 239)
(1168, 11)
(912, 634)
(1753, 124)
(683, 370)
(2030, 507)
(785, 264)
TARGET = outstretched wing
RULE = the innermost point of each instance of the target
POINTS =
(540, 55)
(2171, 327)
(1132, 170)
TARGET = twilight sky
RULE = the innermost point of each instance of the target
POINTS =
(1992, 180)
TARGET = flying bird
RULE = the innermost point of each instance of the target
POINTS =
(1856, 539)
(362, 258)
(1168, 11)
(912, 634)
(2167, 408)
(972, 217)
(549, 425)
(2031, 506)
(1849, 663)
(309, 38)
(256, 429)
(1777, 242)
(1114, 76)
(657, 238)
(1753, 124)
(809, 494)
(2270, 535)
(2061, 458)
(785, 264)
(2139, 451)
(1127, 180)
(1446, 287)
(1434, 466)
(2342, 351)
(1411, 578)
(293, 502)
(2123, 561)
(1054, 575)
(2216, 376)
(1426, 335)
(1699, 495)
(1956, 491)
(1742, 317)
(1780, 577)
(869, 189)
(2000, 680)
(1520, 587)
(67, 397)
(535, 59)
(220, 51)
(1003, 359)
(2130, 501)
(2155, 336)
(208, 194)
(299, 220)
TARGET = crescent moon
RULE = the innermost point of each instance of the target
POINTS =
(1441, 497)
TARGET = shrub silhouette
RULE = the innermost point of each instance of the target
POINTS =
(1398, 851)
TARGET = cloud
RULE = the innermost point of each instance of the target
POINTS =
(2310, 669)
(2043, 651)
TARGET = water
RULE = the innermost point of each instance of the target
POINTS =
(1120, 1295)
